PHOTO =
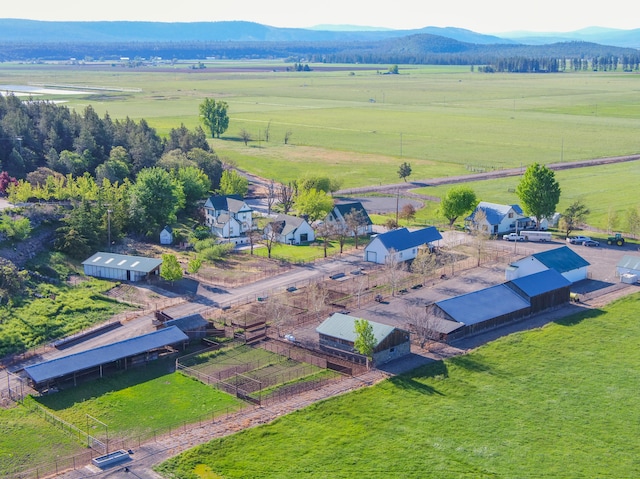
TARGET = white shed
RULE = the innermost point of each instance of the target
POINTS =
(166, 235)
(121, 267)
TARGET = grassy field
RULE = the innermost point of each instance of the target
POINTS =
(356, 125)
(607, 191)
(133, 404)
(556, 402)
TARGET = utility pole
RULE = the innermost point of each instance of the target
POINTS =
(109, 211)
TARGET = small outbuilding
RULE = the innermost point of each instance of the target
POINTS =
(166, 235)
(628, 265)
(194, 325)
(564, 260)
(401, 243)
(338, 336)
(121, 267)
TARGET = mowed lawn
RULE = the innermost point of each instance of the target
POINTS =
(557, 402)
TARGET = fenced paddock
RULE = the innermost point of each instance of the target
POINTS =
(256, 374)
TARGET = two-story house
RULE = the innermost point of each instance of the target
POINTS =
(497, 219)
(228, 216)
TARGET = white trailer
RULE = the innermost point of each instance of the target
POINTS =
(541, 236)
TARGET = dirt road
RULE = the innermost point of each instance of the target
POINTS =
(410, 185)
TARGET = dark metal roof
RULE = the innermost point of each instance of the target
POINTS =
(345, 208)
(121, 261)
(483, 305)
(542, 282)
(60, 367)
(403, 239)
(193, 322)
(561, 259)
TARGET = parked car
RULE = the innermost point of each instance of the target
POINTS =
(578, 239)
(513, 237)
(591, 243)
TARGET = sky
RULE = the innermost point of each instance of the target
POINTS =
(486, 16)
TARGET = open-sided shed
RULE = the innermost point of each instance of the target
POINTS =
(96, 361)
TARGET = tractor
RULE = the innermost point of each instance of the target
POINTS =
(616, 239)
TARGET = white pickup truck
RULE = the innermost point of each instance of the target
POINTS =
(513, 237)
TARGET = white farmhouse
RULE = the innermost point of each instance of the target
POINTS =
(292, 230)
(228, 216)
(402, 243)
(498, 219)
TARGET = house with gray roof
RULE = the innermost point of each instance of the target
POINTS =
(291, 230)
(342, 210)
(337, 336)
(497, 219)
(228, 216)
(121, 267)
(401, 243)
(564, 260)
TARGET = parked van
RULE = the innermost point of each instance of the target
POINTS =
(542, 236)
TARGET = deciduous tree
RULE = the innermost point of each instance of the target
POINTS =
(170, 269)
(539, 192)
(313, 203)
(574, 216)
(214, 116)
(233, 183)
(404, 171)
(365, 341)
(457, 201)
(156, 197)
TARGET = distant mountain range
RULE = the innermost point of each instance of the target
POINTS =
(32, 31)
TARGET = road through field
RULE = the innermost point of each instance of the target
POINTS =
(406, 187)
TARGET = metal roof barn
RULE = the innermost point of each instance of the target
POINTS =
(121, 267)
(67, 367)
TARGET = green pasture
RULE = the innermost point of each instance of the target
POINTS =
(134, 404)
(607, 190)
(28, 440)
(357, 125)
(439, 119)
(559, 401)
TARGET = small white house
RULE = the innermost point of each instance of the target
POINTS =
(228, 216)
(166, 235)
(498, 219)
(292, 230)
(402, 243)
(564, 260)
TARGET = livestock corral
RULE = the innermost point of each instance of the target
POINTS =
(259, 374)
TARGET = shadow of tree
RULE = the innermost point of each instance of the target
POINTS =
(410, 381)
